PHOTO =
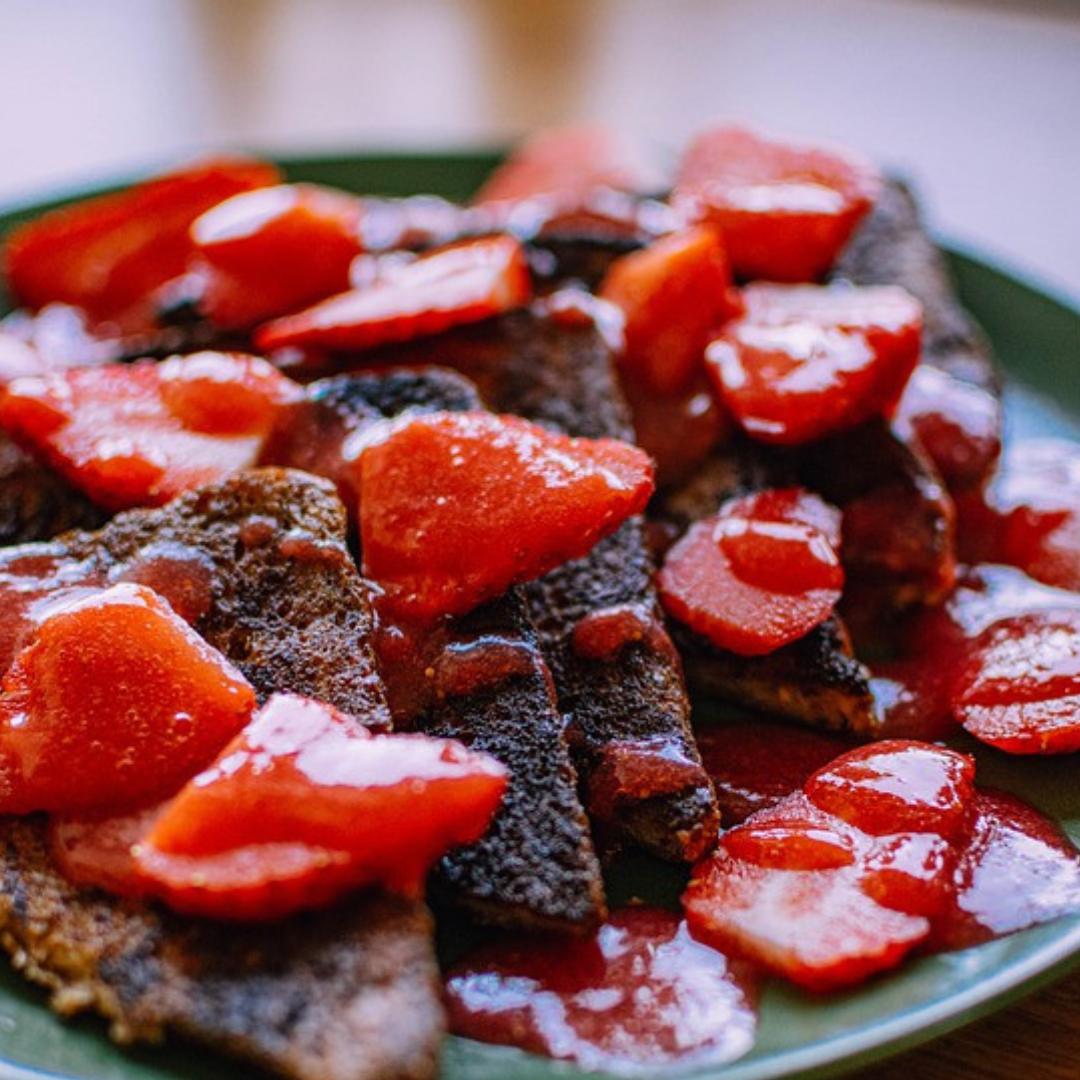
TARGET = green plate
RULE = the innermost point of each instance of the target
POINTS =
(1038, 340)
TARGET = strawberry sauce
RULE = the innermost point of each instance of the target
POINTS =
(637, 996)
(754, 765)
(915, 689)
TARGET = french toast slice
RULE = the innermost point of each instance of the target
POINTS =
(629, 716)
(347, 994)
(479, 678)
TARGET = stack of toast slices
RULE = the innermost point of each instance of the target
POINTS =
(353, 992)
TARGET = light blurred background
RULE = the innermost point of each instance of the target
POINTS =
(980, 101)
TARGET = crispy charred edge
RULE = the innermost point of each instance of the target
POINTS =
(535, 868)
(891, 247)
(35, 503)
(910, 559)
(633, 700)
(815, 680)
(739, 467)
(287, 604)
(561, 376)
(348, 994)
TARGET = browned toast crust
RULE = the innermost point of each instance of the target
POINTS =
(489, 686)
(287, 605)
(559, 372)
(348, 994)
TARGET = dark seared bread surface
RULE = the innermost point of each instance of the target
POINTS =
(559, 373)
(891, 247)
(815, 680)
(535, 868)
(287, 605)
(347, 994)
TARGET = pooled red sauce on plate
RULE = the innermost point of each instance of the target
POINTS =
(886, 850)
(1017, 870)
(754, 765)
(638, 996)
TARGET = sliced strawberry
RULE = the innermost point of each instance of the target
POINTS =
(678, 431)
(462, 283)
(897, 786)
(108, 254)
(456, 507)
(915, 690)
(761, 573)
(305, 804)
(114, 700)
(785, 209)
(817, 928)
(564, 165)
(804, 361)
(910, 872)
(793, 835)
(1021, 690)
(139, 434)
(1030, 516)
(841, 879)
(957, 423)
(675, 294)
(267, 253)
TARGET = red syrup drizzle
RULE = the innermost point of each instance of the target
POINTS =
(1017, 870)
(604, 633)
(423, 663)
(634, 769)
(638, 995)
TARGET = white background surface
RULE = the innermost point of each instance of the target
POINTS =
(979, 100)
